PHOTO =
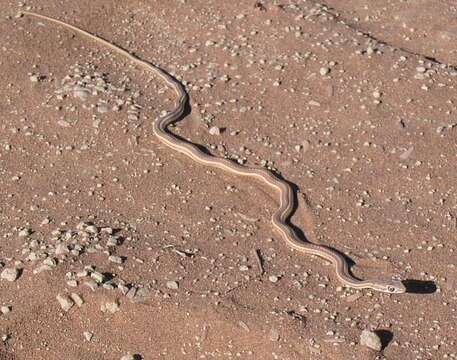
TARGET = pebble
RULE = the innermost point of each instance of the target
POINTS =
(98, 277)
(50, 261)
(24, 232)
(62, 249)
(41, 268)
(92, 229)
(88, 335)
(81, 93)
(34, 78)
(115, 259)
(63, 123)
(172, 285)
(141, 296)
(274, 335)
(124, 289)
(314, 103)
(10, 274)
(214, 130)
(376, 94)
(371, 340)
(108, 286)
(324, 70)
(244, 268)
(91, 284)
(128, 357)
(112, 241)
(5, 309)
(65, 302)
(353, 297)
(77, 299)
(72, 283)
(110, 307)
(102, 108)
(131, 293)
(273, 278)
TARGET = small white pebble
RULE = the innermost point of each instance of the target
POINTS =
(65, 302)
(10, 274)
(110, 307)
(102, 108)
(77, 299)
(5, 309)
(172, 285)
(98, 277)
(88, 335)
(324, 70)
(24, 232)
(214, 130)
(128, 357)
(115, 259)
(376, 94)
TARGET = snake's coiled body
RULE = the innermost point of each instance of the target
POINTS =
(287, 199)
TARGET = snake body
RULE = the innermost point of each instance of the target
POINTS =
(286, 194)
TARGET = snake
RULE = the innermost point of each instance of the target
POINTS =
(281, 217)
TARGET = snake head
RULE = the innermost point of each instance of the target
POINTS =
(391, 287)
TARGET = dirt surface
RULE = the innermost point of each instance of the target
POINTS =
(353, 102)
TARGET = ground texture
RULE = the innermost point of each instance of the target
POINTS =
(112, 244)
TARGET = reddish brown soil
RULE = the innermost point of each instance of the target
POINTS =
(371, 147)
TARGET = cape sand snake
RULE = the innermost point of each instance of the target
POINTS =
(287, 200)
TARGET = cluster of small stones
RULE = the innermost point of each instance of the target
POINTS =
(86, 83)
(93, 279)
(68, 244)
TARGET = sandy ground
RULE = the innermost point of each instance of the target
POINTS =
(353, 102)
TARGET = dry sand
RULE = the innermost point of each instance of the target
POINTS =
(353, 102)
